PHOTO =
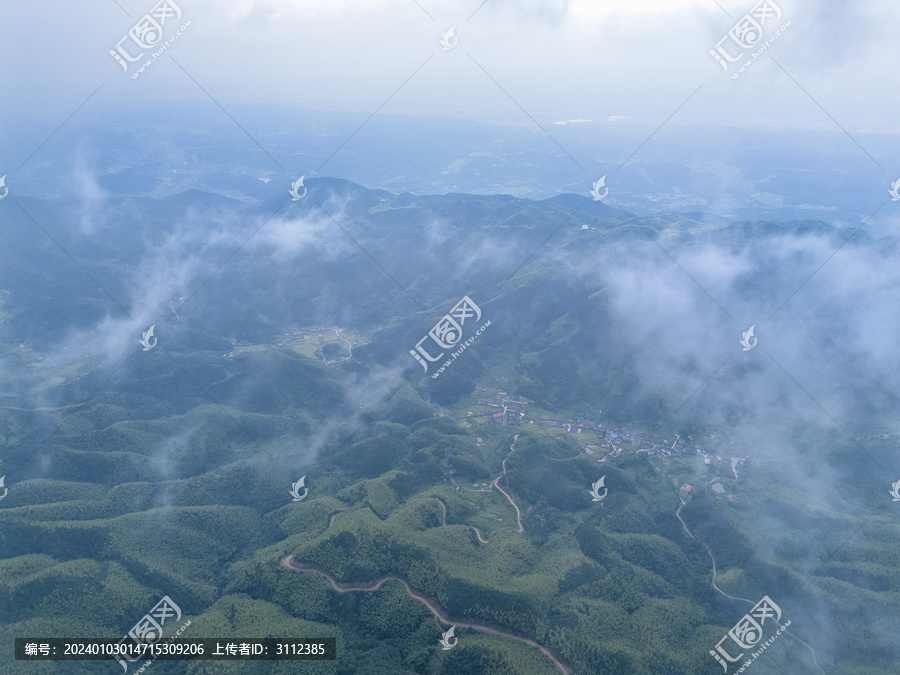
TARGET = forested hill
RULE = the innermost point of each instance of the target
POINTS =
(283, 336)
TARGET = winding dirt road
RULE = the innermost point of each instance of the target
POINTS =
(349, 345)
(443, 513)
(711, 557)
(731, 597)
(444, 522)
(478, 534)
(438, 613)
(496, 484)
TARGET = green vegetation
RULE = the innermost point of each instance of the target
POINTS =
(168, 474)
(616, 587)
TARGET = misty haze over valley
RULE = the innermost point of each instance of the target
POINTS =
(450, 338)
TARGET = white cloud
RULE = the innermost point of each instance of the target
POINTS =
(593, 11)
(559, 60)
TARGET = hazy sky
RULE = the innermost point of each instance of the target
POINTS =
(607, 80)
(584, 59)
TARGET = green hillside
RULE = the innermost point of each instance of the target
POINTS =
(135, 475)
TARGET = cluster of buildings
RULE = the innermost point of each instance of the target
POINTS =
(294, 334)
(235, 343)
(297, 334)
(506, 400)
(661, 451)
(611, 437)
(514, 413)
(336, 362)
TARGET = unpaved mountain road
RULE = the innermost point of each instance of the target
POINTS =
(731, 597)
(496, 484)
(443, 513)
(433, 607)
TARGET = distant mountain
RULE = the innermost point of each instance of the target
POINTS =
(283, 336)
